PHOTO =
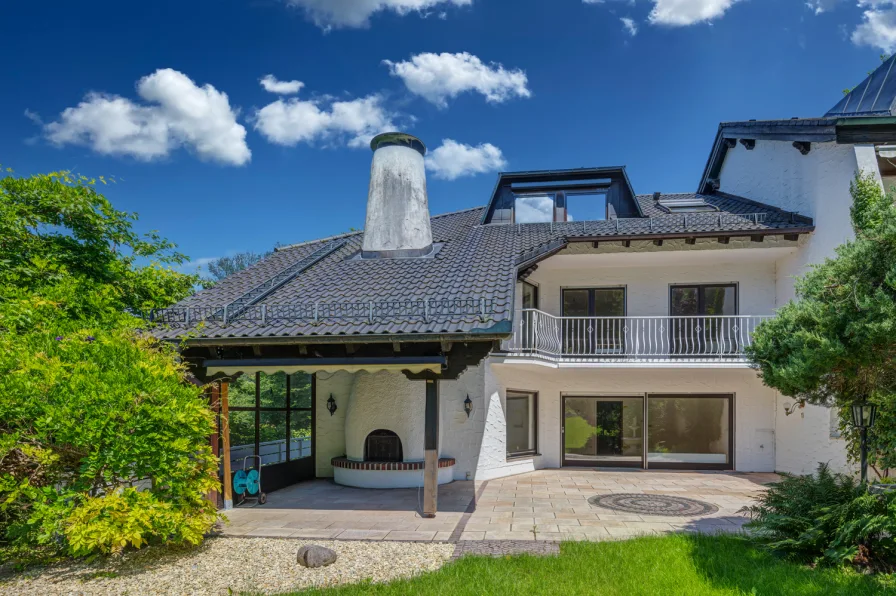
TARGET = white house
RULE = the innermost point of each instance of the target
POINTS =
(567, 322)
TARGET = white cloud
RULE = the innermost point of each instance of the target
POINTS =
(820, 6)
(177, 113)
(437, 77)
(273, 85)
(328, 14)
(293, 121)
(630, 26)
(534, 209)
(680, 13)
(878, 27)
(197, 265)
(452, 160)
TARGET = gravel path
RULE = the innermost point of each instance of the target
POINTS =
(257, 565)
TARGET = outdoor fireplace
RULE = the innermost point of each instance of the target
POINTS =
(383, 446)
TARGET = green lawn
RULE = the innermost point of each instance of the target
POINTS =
(669, 565)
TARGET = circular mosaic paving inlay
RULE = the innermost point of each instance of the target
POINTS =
(653, 504)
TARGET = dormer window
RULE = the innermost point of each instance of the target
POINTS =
(689, 205)
(559, 206)
(558, 196)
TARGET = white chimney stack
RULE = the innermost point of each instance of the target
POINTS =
(397, 205)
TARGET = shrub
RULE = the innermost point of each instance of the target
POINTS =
(89, 403)
(86, 409)
(827, 518)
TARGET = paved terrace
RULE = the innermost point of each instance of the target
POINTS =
(547, 505)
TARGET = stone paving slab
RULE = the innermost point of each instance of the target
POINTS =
(536, 507)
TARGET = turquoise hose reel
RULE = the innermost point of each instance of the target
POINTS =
(247, 482)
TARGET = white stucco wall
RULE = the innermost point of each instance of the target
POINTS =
(804, 440)
(330, 430)
(816, 185)
(648, 277)
(388, 401)
(754, 407)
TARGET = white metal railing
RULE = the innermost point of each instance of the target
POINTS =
(652, 337)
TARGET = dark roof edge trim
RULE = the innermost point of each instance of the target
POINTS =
(500, 330)
(702, 234)
(360, 361)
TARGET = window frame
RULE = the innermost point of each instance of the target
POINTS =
(535, 293)
(701, 298)
(287, 410)
(533, 405)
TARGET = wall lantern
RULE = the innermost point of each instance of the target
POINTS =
(331, 405)
(468, 406)
(863, 416)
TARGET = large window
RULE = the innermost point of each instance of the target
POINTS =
(522, 423)
(700, 325)
(270, 416)
(538, 207)
(593, 321)
(687, 431)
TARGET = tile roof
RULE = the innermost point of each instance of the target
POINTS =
(468, 286)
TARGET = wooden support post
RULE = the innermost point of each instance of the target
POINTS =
(214, 400)
(431, 450)
(225, 448)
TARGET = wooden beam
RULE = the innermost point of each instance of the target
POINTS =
(446, 346)
(658, 242)
(225, 447)
(351, 348)
(724, 239)
(303, 349)
(690, 241)
(626, 243)
(431, 450)
(214, 398)
(256, 351)
(396, 347)
(803, 146)
(749, 144)
(595, 244)
(757, 238)
(730, 143)
(791, 237)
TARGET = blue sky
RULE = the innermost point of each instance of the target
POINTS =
(168, 96)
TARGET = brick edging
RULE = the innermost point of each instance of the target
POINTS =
(347, 464)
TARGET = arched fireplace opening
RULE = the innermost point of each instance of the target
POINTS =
(383, 446)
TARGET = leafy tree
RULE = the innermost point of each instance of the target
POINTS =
(836, 344)
(226, 266)
(103, 439)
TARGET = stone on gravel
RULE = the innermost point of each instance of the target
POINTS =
(314, 556)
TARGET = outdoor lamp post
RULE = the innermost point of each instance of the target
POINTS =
(863, 415)
(468, 406)
(331, 405)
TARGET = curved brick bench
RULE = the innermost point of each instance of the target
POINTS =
(378, 474)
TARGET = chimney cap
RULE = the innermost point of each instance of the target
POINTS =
(387, 139)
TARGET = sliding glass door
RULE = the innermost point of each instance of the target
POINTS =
(603, 431)
(690, 431)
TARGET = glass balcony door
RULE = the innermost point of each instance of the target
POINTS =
(702, 328)
(584, 331)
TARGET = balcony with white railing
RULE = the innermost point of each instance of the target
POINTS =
(673, 340)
